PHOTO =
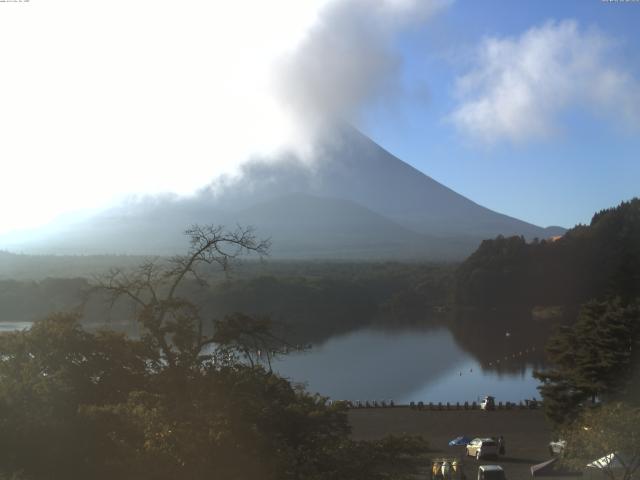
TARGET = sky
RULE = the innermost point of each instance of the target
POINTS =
(530, 108)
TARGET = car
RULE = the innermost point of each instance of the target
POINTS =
(491, 472)
(482, 447)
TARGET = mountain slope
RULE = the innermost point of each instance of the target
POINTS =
(299, 226)
(352, 198)
(349, 165)
(302, 225)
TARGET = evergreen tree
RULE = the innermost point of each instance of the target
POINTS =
(591, 359)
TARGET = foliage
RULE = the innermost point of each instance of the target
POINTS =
(46, 373)
(592, 359)
(177, 402)
(82, 405)
(602, 431)
(307, 301)
(587, 262)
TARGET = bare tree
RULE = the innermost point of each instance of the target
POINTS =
(172, 323)
(252, 337)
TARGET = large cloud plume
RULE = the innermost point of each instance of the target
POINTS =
(348, 57)
(180, 94)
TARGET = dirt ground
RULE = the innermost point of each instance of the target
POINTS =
(526, 433)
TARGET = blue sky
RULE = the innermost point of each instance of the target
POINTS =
(590, 160)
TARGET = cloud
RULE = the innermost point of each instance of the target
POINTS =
(106, 99)
(111, 98)
(520, 87)
(347, 58)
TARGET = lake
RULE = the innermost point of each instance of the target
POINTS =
(404, 365)
(414, 364)
(13, 326)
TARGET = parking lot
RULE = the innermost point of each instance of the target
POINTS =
(526, 433)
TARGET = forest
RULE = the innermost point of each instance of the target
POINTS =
(307, 301)
(589, 261)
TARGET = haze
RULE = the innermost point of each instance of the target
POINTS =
(104, 100)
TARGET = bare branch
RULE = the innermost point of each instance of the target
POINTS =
(153, 287)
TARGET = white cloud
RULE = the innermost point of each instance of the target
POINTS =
(99, 100)
(347, 58)
(102, 99)
(520, 86)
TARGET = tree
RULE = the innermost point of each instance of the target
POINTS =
(78, 405)
(588, 261)
(252, 337)
(169, 321)
(46, 375)
(591, 359)
(611, 432)
(175, 402)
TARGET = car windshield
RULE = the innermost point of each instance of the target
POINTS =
(490, 443)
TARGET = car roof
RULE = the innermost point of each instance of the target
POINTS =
(486, 439)
(490, 468)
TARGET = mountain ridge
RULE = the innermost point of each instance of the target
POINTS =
(353, 199)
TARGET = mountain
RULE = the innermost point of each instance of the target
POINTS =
(303, 225)
(350, 199)
(349, 165)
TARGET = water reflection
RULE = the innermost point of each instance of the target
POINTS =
(13, 326)
(465, 357)
(405, 365)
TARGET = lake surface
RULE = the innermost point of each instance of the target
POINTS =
(13, 326)
(403, 365)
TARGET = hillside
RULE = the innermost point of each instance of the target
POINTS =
(589, 261)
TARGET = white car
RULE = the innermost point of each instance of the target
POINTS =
(482, 447)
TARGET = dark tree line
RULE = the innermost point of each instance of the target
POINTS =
(601, 259)
(307, 301)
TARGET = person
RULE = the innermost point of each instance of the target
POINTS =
(435, 470)
(501, 445)
(445, 470)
